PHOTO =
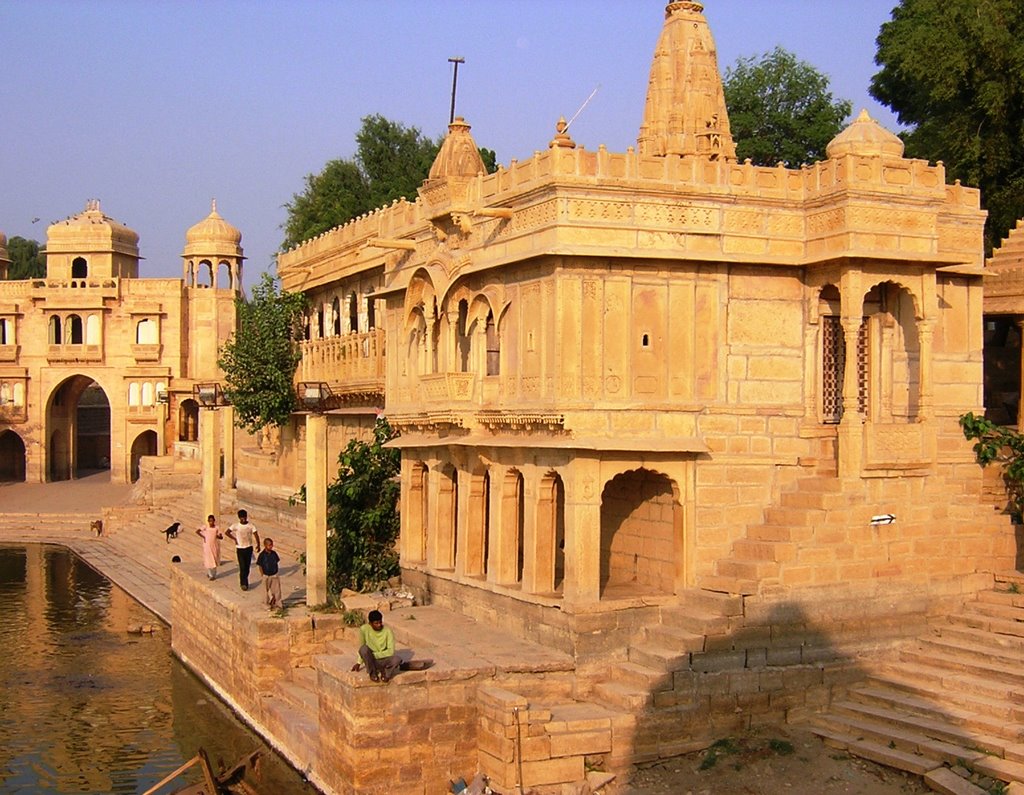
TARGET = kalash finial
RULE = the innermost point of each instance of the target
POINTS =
(562, 139)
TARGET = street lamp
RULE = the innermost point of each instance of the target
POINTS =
(209, 396)
(316, 396)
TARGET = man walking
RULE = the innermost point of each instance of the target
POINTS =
(244, 534)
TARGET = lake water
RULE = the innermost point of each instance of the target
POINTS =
(87, 707)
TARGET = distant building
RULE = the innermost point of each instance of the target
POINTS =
(97, 365)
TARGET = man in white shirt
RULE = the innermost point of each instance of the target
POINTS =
(244, 534)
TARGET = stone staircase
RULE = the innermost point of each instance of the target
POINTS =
(820, 517)
(822, 501)
(47, 525)
(952, 699)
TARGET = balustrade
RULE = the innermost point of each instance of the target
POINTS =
(348, 363)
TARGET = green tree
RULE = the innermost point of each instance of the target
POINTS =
(781, 109)
(362, 514)
(26, 260)
(953, 70)
(391, 161)
(259, 360)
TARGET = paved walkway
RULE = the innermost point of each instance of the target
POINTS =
(133, 551)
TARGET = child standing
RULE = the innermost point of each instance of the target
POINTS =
(211, 536)
(268, 563)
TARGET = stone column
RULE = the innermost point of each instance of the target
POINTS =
(161, 428)
(851, 426)
(1019, 322)
(316, 509)
(583, 532)
(210, 452)
(926, 335)
(228, 431)
(538, 534)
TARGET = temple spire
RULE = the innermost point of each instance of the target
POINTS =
(685, 112)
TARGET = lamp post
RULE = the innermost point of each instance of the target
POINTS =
(316, 398)
(210, 398)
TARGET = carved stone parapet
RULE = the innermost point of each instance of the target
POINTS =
(74, 353)
(425, 421)
(522, 421)
(445, 387)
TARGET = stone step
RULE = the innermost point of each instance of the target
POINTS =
(1004, 612)
(728, 585)
(934, 728)
(747, 570)
(794, 517)
(660, 658)
(298, 695)
(877, 752)
(895, 736)
(820, 500)
(896, 700)
(623, 697)
(960, 659)
(748, 549)
(946, 782)
(1004, 647)
(1008, 598)
(640, 677)
(779, 533)
(968, 692)
(711, 602)
(296, 730)
(990, 624)
(695, 622)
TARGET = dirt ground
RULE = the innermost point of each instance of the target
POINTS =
(769, 761)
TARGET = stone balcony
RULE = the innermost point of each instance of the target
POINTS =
(9, 353)
(447, 387)
(349, 364)
(74, 353)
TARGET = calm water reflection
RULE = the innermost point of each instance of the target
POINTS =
(88, 708)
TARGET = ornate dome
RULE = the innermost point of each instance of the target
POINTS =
(459, 155)
(865, 136)
(213, 237)
(91, 230)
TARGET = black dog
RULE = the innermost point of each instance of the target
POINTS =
(172, 531)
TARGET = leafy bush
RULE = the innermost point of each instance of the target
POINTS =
(362, 514)
(995, 443)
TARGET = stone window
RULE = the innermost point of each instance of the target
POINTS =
(79, 268)
(336, 317)
(73, 330)
(54, 333)
(6, 331)
(493, 347)
(146, 332)
(353, 313)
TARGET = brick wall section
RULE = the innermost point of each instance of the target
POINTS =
(546, 746)
(636, 532)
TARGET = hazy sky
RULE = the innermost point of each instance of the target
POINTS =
(156, 106)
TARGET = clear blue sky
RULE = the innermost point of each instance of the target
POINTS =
(157, 106)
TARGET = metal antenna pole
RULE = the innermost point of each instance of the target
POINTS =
(585, 103)
(455, 80)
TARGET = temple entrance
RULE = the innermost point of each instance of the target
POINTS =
(144, 444)
(78, 424)
(12, 457)
(638, 513)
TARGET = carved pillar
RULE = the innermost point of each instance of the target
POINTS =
(316, 509)
(851, 425)
(926, 337)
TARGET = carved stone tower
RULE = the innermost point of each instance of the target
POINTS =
(685, 112)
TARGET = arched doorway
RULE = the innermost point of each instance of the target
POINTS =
(188, 421)
(639, 513)
(144, 444)
(78, 429)
(12, 457)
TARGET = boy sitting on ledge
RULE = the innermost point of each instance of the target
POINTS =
(377, 648)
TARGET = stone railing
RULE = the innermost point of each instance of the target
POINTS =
(74, 353)
(348, 363)
(447, 387)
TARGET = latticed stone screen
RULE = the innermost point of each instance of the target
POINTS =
(833, 364)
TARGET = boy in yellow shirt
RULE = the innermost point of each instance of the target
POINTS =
(377, 648)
